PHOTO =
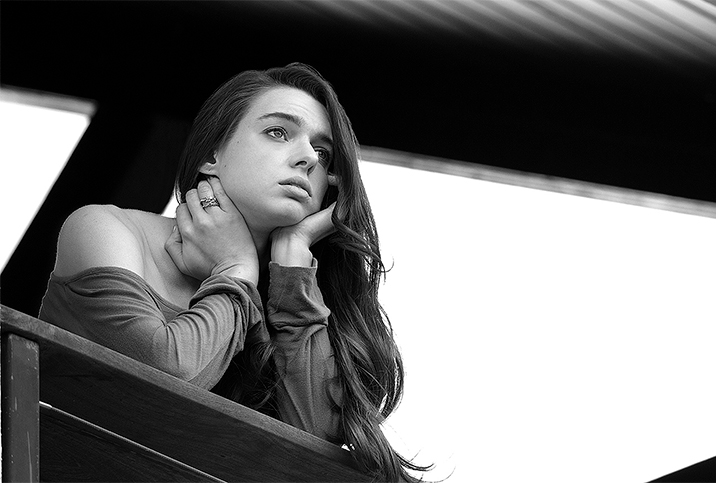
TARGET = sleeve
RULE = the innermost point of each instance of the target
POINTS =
(308, 393)
(117, 311)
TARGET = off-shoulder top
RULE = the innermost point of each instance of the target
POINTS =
(117, 308)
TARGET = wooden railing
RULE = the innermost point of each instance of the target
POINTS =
(73, 410)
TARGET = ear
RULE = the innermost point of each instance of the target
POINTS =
(210, 166)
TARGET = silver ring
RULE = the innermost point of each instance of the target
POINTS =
(207, 202)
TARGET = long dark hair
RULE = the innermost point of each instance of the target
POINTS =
(370, 368)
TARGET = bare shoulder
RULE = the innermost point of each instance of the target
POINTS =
(100, 235)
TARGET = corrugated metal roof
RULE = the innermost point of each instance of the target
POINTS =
(661, 30)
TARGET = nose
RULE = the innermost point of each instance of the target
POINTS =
(304, 156)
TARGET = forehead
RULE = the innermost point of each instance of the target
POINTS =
(292, 101)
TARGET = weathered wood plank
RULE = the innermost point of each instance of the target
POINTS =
(75, 450)
(172, 417)
(20, 413)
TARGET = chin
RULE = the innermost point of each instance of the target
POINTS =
(292, 215)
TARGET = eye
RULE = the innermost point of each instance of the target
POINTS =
(324, 157)
(277, 132)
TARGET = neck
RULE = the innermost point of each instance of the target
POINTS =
(262, 242)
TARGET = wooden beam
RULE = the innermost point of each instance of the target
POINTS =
(539, 181)
(172, 417)
(20, 408)
(75, 450)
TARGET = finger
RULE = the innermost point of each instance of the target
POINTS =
(173, 247)
(204, 190)
(183, 218)
(323, 223)
(341, 212)
(175, 236)
(224, 201)
(193, 203)
(333, 180)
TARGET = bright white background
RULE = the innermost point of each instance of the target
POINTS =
(546, 337)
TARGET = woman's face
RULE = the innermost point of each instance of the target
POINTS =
(274, 167)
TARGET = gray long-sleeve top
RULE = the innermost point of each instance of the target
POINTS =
(117, 308)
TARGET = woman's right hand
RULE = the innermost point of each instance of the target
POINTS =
(212, 240)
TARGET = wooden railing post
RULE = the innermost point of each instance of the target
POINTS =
(20, 409)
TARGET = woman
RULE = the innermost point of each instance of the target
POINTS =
(272, 214)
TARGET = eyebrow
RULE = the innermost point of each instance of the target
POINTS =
(298, 121)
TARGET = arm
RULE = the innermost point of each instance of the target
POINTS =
(196, 344)
(116, 308)
(308, 391)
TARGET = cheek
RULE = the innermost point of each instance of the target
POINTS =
(321, 190)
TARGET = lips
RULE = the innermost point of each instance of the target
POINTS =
(298, 182)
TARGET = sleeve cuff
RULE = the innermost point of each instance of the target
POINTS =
(294, 298)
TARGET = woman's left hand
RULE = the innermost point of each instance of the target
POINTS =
(290, 244)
